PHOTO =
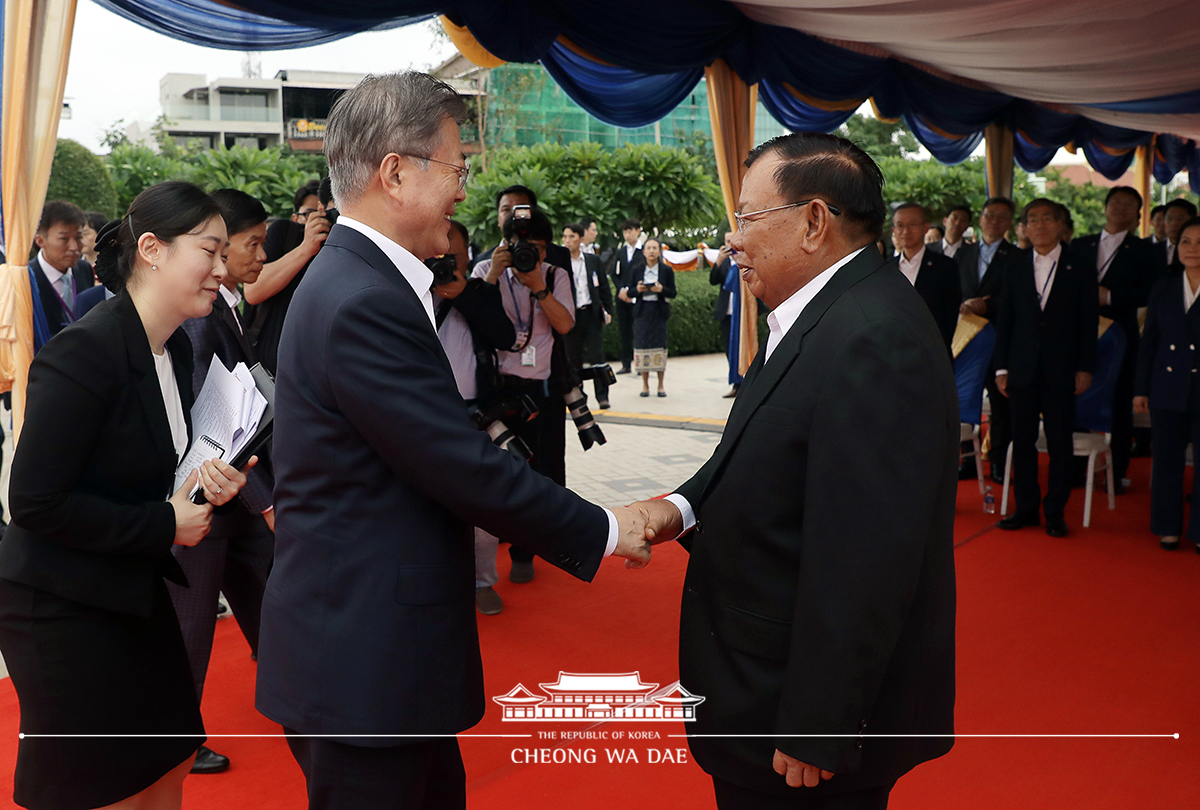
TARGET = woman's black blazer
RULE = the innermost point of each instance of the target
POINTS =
(95, 465)
(666, 277)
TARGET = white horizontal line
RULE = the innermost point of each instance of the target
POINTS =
(210, 736)
(914, 736)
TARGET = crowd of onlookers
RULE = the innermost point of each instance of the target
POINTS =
(1050, 296)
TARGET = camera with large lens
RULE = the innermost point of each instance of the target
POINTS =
(589, 431)
(492, 421)
(599, 371)
(444, 268)
(331, 214)
(525, 257)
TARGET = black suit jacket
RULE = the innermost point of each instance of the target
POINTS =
(666, 277)
(95, 466)
(939, 287)
(1162, 267)
(368, 622)
(1130, 275)
(820, 595)
(1168, 357)
(218, 334)
(623, 269)
(47, 297)
(1047, 346)
(988, 287)
(716, 277)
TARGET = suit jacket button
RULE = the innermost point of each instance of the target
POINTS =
(858, 745)
(1192, 346)
(862, 726)
(1170, 369)
(1172, 347)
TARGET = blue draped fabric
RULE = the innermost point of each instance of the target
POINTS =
(970, 372)
(645, 74)
(795, 114)
(591, 85)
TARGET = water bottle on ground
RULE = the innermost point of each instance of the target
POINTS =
(989, 500)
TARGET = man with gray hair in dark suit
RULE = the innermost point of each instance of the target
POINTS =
(369, 651)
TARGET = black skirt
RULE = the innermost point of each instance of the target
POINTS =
(79, 669)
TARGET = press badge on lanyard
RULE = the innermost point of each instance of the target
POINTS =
(529, 356)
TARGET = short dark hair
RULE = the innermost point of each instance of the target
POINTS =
(587, 222)
(310, 189)
(167, 210)
(1012, 206)
(60, 212)
(577, 227)
(816, 164)
(631, 223)
(1186, 205)
(1130, 190)
(539, 226)
(518, 189)
(905, 206)
(1191, 223)
(95, 220)
(325, 191)
(1156, 210)
(965, 208)
(939, 229)
(240, 211)
(1041, 202)
(462, 229)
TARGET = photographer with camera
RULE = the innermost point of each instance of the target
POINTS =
(537, 299)
(472, 326)
(290, 246)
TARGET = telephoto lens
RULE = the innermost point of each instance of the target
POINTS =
(589, 431)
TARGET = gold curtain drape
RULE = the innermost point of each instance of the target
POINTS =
(731, 106)
(999, 161)
(468, 46)
(1143, 171)
(37, 45)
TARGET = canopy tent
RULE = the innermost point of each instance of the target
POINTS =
(1104, 76)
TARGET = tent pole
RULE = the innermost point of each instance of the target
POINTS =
(999, 161)
(1143, 171)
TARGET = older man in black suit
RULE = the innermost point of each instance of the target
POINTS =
(593, 308)
(933, 275)
(1045, 355)
(818, 608)
(369, 651)
(1125, 272)
(981, 273)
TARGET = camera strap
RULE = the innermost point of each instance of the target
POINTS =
(524, 328)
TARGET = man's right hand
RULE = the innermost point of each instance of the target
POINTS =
(663, 519)
(623, 294)
(1141, 404)
(316, 230)
(974, 306)
(1002, 383)
(632, 543)
(192, 521)
(501, 261)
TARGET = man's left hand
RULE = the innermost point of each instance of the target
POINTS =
(799, 774)
(1104, 296)
(1083, 381)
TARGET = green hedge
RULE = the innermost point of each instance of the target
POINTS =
(79, 176)
(691, 329)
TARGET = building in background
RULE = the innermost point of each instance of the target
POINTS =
(290, 108)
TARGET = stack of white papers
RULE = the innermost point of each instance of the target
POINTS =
(224, 417)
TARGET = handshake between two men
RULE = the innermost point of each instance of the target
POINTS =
(642, 525)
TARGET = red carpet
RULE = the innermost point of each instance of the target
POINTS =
(1098, 633)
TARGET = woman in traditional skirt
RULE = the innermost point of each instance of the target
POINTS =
(653, 284)
(108, 706)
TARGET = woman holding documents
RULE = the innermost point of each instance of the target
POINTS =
(86, 626)
(235, 558)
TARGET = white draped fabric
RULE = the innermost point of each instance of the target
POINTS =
(1065, 52)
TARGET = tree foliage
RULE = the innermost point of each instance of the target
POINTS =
(79, 176)
(880, 139)
(271, 175)
(666, 188)
(939, 188)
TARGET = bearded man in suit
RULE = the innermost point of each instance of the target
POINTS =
(818, 608)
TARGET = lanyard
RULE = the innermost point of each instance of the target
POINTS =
(1049, 278)
(512, 293)
(1104, 267)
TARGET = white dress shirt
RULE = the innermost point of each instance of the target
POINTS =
(910, 267)
(1170, 251)
(650, 278)
(1044, 270)
(414, 271)
(1109, 242)
(1189, 297)
(781, 320)
(233, 298)
(583, 290)
(948, 250)
(172, 402)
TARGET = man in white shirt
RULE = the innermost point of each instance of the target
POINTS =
(590, 232)
(955, 225)
(626, 262)
(593, 308)
(934, 276)
(58, 269)
(819, 598)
